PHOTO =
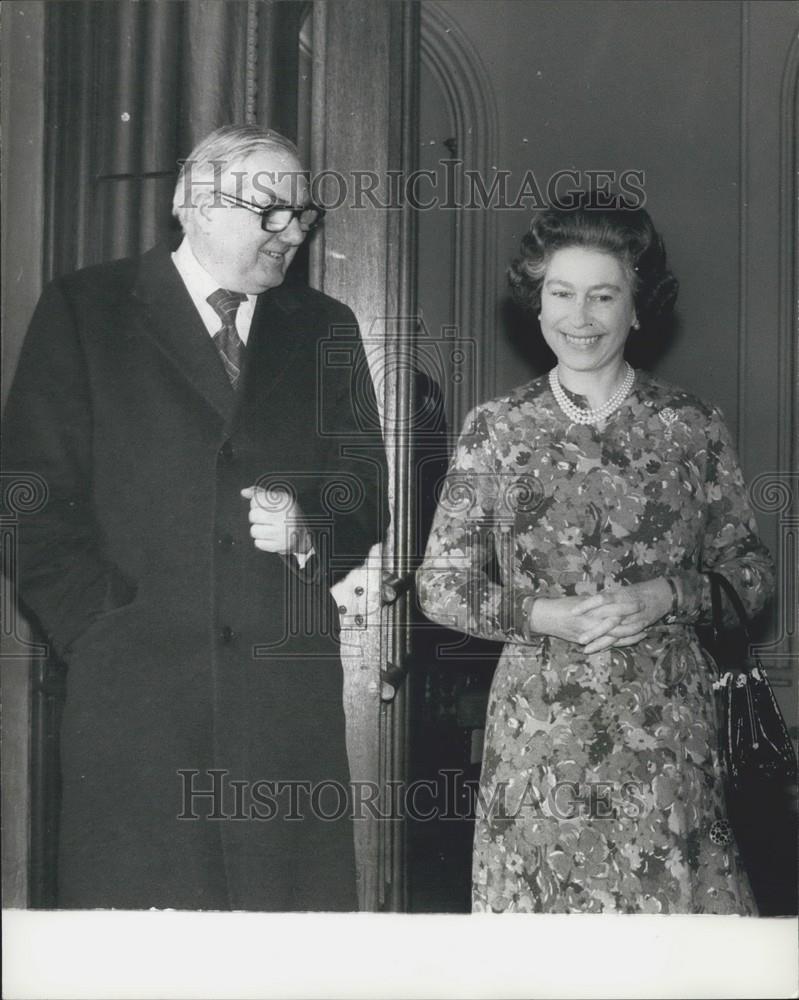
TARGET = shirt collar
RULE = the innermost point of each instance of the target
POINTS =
(200, 284)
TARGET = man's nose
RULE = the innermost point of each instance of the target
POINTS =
(293, 234)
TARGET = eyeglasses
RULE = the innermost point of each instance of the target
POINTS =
(276, 218)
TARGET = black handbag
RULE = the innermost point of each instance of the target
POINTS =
(758, 759)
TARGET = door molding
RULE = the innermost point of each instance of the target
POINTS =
(787, 430)
(463, 80)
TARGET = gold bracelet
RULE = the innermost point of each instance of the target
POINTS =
(527, 611)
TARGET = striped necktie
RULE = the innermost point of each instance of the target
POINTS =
(226, 305)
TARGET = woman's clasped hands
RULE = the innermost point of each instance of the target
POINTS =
(610, 618)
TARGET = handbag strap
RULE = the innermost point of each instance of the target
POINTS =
(717, 584)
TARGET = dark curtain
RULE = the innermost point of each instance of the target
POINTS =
(130, 88)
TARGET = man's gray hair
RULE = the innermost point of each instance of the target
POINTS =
(225, 147)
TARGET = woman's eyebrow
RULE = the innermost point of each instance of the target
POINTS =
(591, 288)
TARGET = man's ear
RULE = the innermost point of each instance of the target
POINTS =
(205, 203)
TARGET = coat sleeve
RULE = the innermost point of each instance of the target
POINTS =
(459, 583)
(63, 580)
(731, 544)
(350, 495)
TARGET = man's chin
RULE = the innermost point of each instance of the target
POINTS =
(265, 287)
(268, 278)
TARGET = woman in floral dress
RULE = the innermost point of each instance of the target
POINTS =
(577, 517)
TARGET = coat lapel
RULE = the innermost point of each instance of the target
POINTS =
(278, 326)
(173, 324)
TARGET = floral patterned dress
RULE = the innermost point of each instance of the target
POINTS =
(600, 788)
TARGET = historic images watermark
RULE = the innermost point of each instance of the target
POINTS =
(216, 794)
(776, 494)
(23, 494)
(453, 186)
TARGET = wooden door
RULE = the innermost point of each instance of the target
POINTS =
(363, 119)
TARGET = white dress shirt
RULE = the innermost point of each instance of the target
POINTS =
(200, 285)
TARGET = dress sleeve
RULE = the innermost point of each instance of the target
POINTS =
(731, 544)
(460, 583)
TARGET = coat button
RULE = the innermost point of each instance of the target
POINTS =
(225, 542)
(226, 634)
(227, 452)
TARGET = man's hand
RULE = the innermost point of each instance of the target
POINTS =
(277, 523)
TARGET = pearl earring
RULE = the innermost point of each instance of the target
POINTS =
(636, 325)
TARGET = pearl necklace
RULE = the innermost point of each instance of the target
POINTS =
(576, 413)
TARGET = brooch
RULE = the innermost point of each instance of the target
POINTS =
(669, 418)
(721, 833)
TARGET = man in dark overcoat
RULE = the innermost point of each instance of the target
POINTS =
(210, 472)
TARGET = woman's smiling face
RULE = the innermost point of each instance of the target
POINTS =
(587, 308)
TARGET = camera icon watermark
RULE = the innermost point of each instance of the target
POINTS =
(368, 369)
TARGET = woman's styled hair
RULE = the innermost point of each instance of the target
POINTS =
(626, 233)
(224, 148)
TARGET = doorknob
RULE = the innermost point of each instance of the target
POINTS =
(391, 678)
(393, 587)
